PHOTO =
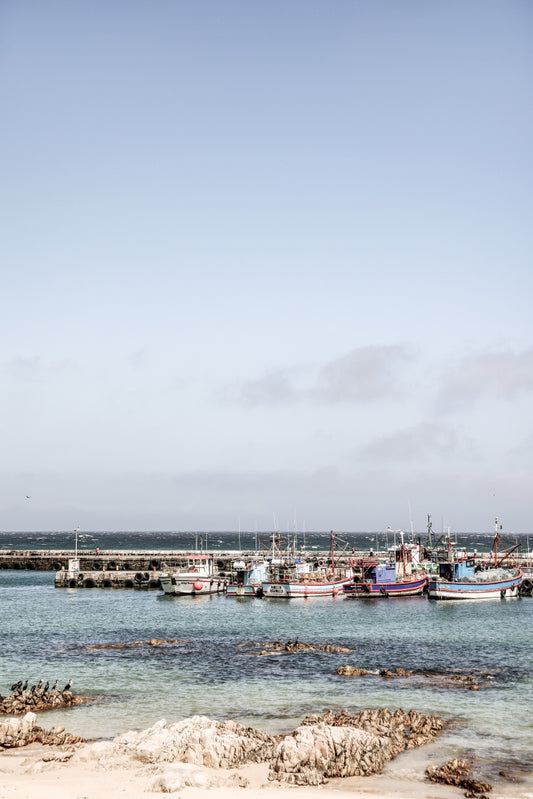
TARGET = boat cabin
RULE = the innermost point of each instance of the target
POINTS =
(380, 573)
(203, 564)
(249, 574)
(457, 570)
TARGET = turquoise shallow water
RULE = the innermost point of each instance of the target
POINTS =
(45, 633)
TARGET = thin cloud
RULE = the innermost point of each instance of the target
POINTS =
(33, 369)
(363, 375)
(275, 388)
(419, 442)
(503, 375)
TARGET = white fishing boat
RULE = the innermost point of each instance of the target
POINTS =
(194, 575)
(290, 580)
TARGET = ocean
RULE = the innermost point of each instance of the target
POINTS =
(212, 669)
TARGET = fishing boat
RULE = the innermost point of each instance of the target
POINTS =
(248, 578)
(459, 578)
(393, 578)
(194, 575)
(299, 579)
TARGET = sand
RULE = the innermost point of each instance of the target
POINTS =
(28, 773)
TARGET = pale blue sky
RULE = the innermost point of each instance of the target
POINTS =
(266, 260)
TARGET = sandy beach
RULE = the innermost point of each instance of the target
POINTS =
(36, 772)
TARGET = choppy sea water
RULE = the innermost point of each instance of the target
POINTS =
(246, 540)
(47, 633)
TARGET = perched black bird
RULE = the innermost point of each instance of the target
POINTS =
(39, 684)
(54, 686)
(67, 686)
(25, 685)
(45, 689)
(16, 686)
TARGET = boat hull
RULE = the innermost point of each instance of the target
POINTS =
(499, 589)
(191, 587)
(400, 588)
(303, 589)
(242, 590)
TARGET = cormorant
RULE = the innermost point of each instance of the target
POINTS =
(45, 689)
(39, 684)
(54, 686)
(16, 686)
(33, 689)
(67, 686)
(25, 685)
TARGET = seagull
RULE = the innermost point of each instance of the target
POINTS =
(67, 686)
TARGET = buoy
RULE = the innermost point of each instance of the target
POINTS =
(197, 585)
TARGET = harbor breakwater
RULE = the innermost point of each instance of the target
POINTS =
(157, 560)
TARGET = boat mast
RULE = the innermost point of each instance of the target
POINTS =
(332, 552)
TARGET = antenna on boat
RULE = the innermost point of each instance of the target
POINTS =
(76, 530)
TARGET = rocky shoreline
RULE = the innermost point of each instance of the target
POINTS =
(331, 745)
(205, 753)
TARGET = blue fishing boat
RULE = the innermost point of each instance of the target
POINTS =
(248, 578)
(459, 578)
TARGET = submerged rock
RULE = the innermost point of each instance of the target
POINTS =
(440, 680)
(135, 644)
(457, 772)
(353, 671)
(295, 646)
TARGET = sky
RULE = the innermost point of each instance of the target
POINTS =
(266, 264)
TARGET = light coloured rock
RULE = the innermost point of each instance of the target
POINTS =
(313, 753)
(198, 740)
(184, 775)
(17, 732)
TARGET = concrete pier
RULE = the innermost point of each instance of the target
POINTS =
(108, 579)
